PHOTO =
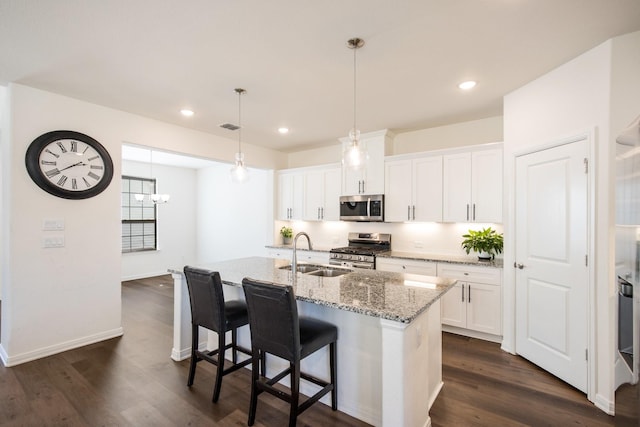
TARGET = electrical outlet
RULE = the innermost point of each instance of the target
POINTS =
(53, 242)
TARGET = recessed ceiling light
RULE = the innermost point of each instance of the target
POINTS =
(467, 85)
(283, 130)
(186, 113)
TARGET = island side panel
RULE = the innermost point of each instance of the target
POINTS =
(359, 362)
(181, 318)
(412, 368)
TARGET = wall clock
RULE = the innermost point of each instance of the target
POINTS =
(69, 164)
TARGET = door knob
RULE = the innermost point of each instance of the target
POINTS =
(516, 265)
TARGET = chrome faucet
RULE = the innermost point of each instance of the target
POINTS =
(294, 261)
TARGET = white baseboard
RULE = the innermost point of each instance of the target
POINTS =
(14, 360)
(472, 334)
(144, 276)
(604, 404)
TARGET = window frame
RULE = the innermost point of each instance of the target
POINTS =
(152, 189)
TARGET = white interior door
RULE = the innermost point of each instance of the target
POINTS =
(552, 278)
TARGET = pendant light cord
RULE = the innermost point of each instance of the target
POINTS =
(240, 91)
(354, 91)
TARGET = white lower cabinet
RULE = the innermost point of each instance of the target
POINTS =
(475, 302)
(406, 266)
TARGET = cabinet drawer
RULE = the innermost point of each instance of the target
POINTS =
(470, 273)
(407, 266)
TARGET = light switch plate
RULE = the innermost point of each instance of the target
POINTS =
(53, 224)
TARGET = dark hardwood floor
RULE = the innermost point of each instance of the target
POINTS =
(132, 381)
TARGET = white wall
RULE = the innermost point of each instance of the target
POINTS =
(234, 220)
(575, 98)
(4, 123)
(176, 225)
(475, 132)
(56, 299)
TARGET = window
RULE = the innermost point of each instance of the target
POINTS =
(138, 218)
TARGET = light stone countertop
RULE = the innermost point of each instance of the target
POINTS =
(452, 259)
(392, 296)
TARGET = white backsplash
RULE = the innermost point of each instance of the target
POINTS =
(425, 238)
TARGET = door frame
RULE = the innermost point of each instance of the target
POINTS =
(509, 297)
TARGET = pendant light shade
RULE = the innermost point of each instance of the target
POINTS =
(156, 198)
(353, 155)
(239, 172)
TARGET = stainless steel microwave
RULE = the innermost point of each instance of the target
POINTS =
(362, 208)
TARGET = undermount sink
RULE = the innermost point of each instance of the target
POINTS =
(329, 272)
(302, 268)
(318, 270)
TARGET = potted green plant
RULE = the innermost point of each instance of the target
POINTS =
(486, 242)
(287, 234)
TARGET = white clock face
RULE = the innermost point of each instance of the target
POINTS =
(71, 165)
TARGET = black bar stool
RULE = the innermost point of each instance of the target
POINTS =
(277, 329)
(209, 310)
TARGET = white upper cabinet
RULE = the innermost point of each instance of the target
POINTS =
(369, 179)
(472, 186)
(413, 189)
(322, 195)
(290, 195)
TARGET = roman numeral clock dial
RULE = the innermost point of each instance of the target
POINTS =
(69, 164)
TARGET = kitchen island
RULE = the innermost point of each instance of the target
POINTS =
(389, 334)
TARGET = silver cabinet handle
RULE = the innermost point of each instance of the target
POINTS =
(463, 292)
(318, 213)
(467, 211)
(474, 211)
(408, 212)
(363, 185)
(321, 213)
(414, 212)
(469, 294)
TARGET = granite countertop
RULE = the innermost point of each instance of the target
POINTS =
(392, 296)
(452, 259)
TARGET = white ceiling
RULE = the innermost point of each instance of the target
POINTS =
(154, 57)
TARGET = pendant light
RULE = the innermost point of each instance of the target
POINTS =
(353, 155)
(155, 197)
(239, 172)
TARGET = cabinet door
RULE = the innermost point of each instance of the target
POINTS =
(484, 308)
(454, 306)
(427, 189)
(456, 195)
(397, 193)
(425, 268)
(374, 173)
(285, 195)
(486, 186)
(332, 190)
(313, 195)
(352, 181)
(290, 196)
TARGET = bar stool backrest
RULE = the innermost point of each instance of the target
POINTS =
(206, 297)
(273, 318)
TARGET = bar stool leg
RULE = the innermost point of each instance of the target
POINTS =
(255, 358)
(334, 377)
(295, 393)
(194, 357)
(220, 370)
(234, 343)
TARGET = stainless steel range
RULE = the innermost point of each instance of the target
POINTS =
(362, 250)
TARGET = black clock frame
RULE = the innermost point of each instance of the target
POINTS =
(32, 159)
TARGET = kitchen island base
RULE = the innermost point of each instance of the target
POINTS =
(389, 372)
